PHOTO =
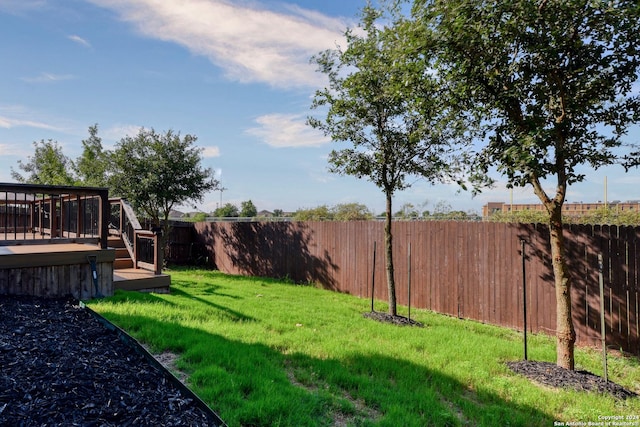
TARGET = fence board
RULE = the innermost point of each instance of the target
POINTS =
(471, 270)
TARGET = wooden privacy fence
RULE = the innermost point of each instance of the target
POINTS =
(471, 270)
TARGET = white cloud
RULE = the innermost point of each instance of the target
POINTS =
(287, 130)
(211, 152)
(10, 122)
(21, 6)
(79, 40)
(48, 77)
(250, 43)
(119, 131)
(17, 149)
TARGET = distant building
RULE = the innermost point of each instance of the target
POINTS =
(574, 209)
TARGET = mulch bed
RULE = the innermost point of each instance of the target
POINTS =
(388, 318)
(552, 375)
(61, 367)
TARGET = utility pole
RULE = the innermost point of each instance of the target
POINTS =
(221, 189)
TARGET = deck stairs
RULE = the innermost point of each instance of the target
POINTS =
(129, 278)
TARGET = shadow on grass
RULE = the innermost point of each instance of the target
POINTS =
(251, 384)
(229, 314)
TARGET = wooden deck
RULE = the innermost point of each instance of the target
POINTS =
(55, 241)
(58, 269)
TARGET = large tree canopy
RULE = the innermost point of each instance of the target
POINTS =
(393, 137)
(156, 172)
(92, 166)
(48, 166)
(553, 83)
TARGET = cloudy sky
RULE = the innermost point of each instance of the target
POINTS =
(234, 73)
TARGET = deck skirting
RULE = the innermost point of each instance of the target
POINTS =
(56, 270)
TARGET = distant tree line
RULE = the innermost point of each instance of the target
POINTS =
(600, 216)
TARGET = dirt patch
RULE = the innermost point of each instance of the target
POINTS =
(168, 360)
(552, 375)
(61, 367)
(388, 318)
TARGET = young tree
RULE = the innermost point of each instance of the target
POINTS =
(320, 213)
(91, 167)
(351, 212)
(407, 211)
(156, 171)
(553, 82)
(393, 136)
(48, 166)
(248, 209)
(229, 210)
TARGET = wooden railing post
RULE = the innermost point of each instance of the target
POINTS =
(121, 217)
(32, 215)
(158, 252)
(136, 247)
(105, 213)
(41, 216)
(80, 222)
(53, 217)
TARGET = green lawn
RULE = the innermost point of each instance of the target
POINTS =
(262, 352)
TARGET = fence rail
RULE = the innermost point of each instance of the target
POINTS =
(466, 269)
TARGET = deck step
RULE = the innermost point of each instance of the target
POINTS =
(141, 280)
(122, 253)
(127, 278)
(122, 263)
(115, 242)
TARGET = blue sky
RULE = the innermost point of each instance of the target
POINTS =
(234, 73)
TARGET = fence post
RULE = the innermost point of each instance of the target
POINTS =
(603, 327)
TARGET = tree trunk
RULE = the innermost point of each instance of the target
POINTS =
(565, 332)
(388, 240)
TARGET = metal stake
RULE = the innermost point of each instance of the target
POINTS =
(373, 275)
(524, 297)
(409, 280)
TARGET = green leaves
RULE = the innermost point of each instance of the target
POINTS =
(552, 80)
(157, 171)
(48, 166)
(91, 167)
(384, 100)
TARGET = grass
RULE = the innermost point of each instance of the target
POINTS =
(263, 352)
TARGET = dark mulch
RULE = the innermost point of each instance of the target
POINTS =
(388, 318)
(61, 367)
(552, 375)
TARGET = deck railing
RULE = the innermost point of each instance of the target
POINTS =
(39, 214)
(144, 246)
